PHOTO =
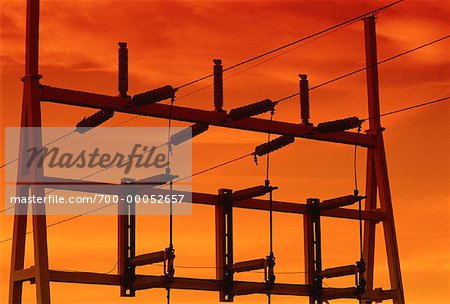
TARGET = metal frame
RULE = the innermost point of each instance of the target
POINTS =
(377, 179)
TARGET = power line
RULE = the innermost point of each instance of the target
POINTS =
(47, 144)
(63, 220)
(365, 68)
(382, 61)
(264, 61)
(411, 107)
(216, 166)
(294, 42)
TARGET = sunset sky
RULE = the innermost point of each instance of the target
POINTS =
(174, 42)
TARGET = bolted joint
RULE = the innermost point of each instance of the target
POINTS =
(360, 282)
(269, 272)
(169, 269)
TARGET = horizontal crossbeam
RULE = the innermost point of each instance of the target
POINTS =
(240, 287)
(124, 105)
(211, 199)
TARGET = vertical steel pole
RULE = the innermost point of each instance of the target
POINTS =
(31, 117)
(313, 250)
(224, 245)
(126, 225)
(380, 165)
(369, 226)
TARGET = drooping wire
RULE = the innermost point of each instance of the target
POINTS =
(112, 269)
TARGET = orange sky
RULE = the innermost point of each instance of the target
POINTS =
(175, 42)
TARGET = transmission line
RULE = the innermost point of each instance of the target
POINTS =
(295, 42)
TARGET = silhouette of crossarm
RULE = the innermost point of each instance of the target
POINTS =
(209, 199)
(249, 265)
(149, 258)
(339, 271)
(240, 287)
(339, 202)
(250, 193)
(159, 179)
(125, 105)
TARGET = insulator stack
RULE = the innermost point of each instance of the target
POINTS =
(154, 96)
(188, 133)
(252, 109)
(218, 85)
(339, 125)
(123, 69)
(339, 202)
(93, 121)
(274, 144)
(304, 98)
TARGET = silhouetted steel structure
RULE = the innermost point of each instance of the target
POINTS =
(224, 202)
